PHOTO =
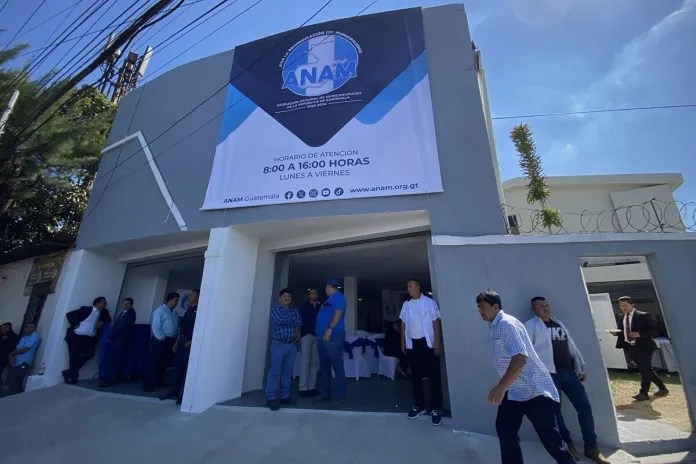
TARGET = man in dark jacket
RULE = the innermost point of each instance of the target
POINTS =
(636, 332)
(118, 344)
(84, 328)
(8, 342)
(183, 349)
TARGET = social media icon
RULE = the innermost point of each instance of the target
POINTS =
(313, 193)
(325, 192)
(288, 195)
(338, 192)
(301, 194)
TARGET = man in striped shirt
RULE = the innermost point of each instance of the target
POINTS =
(285, 333)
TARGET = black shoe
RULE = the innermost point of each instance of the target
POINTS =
(436, 416)
(321, 399)
(289, 401)
(338, 404)
(641, 397)
(415, 412)
(167, 396)
(573, 452)
(662, 392)
(273, 405)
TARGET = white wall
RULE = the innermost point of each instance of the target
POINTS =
(85, 275)
(624, 272)
(218, 350)
(597, 201)
(13, 303)
(262, 300)
(146, 285)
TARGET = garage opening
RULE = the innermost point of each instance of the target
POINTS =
(373, 276)
(147, 283)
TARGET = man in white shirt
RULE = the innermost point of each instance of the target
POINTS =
(83, 334)
(421, 341)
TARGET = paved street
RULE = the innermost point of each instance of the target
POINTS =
(62, 424)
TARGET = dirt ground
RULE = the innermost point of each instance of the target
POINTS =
(670, 409)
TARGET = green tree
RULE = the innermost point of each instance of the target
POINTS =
(538, 190)
(45, 177)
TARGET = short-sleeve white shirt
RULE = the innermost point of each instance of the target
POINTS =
(418, 315)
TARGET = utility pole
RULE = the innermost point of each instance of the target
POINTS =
(115, 84)
(8, 110)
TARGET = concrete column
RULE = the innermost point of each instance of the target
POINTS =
(350, 290)
(146, 285)
(86, 275)
(218, 350)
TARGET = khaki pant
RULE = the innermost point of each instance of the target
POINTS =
(310, 363)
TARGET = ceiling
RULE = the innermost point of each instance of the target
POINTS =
(379, 265)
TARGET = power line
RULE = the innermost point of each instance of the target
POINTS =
(142, 41)
(4, 5)
(608, 110)
(117, 165)
(52, 17)
(31, 16)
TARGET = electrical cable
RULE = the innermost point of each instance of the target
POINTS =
(607, 110)
(36, 26)
(142, 41)
(117, 165)
(31, 16)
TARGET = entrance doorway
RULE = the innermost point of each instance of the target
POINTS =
(147, 283)
(373, 276)
(662, 419)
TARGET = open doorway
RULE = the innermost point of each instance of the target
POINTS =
(659, 416)
(373, 277)
(147, 283)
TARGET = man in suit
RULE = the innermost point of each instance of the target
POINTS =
(84, 328)
(118, 344)
(636, 332)
(8, 342)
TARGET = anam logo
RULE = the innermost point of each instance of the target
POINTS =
(320, 64)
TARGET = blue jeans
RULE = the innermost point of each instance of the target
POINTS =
(569, 383)
(282, 365)
(331, 356)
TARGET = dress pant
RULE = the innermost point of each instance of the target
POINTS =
(81, 348)
(310, 363)
(3, 364)
(160, 357)
(15, 381)
(331, 357)
(280, 372)
(643, 359)
(116, 351)
(569, 383)
(423, 364)
(540, 412)
(181, 359)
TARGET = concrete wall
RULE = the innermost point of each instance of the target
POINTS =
(13, 302)
(146, 285)
(522, 267)
(590, 207)
(185, 163)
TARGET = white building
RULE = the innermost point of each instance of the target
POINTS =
(601, 203)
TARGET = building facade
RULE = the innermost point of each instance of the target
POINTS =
(158, 221)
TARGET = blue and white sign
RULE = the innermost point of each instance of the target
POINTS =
(332, 111)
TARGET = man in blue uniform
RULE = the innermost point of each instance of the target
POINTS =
(183, 349)
(331, 334)
(21, 359)
(118, 344)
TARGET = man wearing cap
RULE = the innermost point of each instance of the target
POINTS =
(331, 334)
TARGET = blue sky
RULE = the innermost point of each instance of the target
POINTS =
(540, 56)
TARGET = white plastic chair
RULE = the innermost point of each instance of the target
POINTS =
(387, 365)
(359, 366)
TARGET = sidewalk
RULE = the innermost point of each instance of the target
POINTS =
(69, 424)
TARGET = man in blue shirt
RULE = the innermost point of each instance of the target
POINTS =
(525, 387)
(331, 334)
(183, 348)
(285, 333)
(22, 357)
(165, 323)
